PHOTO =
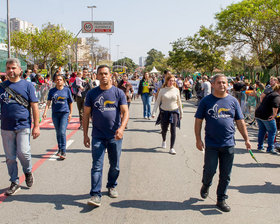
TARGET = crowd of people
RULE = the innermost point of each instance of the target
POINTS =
(104, 98)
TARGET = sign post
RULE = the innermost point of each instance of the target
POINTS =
(97, 26)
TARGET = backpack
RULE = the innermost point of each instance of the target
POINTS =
(74, 88)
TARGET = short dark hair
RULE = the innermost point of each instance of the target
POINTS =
(103, 66)
(218, 76)
(62, 76)
(85, 68)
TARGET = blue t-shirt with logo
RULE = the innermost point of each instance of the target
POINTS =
(220, 114)
(15, 116)
(60, 99)
(105, 111)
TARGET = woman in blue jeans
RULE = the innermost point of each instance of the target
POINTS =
(145, 89)
(61, 99)
(265, 115)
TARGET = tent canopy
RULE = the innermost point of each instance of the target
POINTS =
(154, 70)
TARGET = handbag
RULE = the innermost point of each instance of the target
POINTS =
(21, 100)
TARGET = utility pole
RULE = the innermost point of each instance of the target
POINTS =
(8, 28)
(92, 54)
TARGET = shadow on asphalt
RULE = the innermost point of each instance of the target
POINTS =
(153, 150)
(267, 188)
(59, 200)
(257, 165)
(143, 130)
(168, 205)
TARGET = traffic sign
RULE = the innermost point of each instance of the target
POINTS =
(97, 26)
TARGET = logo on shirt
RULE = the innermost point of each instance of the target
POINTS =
(6, 98)
(104, 105)
(57, 99)
(218, 113)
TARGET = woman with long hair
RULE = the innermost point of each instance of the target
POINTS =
(171, 112)
(145, 89)
(61, 99)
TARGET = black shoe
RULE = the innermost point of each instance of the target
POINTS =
(58, 153)
(223, 206)
(63, 156)
(29, 179)
(14, 188)
(81, 127)
(204, 191)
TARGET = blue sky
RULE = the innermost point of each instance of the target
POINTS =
(139, 25)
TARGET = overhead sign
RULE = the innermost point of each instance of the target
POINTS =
(97, 26)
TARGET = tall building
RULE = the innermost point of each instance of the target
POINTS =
(21, 25)
(3, 30)
(142, 61)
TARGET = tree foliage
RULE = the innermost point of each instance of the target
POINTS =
(128, 62)
(254, 24)
(46, 46)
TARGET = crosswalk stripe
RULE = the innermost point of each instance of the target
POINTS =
(68, 143)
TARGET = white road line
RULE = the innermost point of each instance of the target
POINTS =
(68, 143)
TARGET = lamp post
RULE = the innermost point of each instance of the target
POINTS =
(92, 59)
(8, 28)
(109, 56)
(118, 48)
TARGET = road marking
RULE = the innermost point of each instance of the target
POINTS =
(38, 164)
(54, 157)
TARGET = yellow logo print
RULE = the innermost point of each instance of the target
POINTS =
(108, 102)
(222, 109)
(60, 97)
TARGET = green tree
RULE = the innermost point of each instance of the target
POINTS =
(128, 62)
(253, 24)
(46, 46)
(156, 59)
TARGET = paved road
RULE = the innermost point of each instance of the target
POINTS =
(154, 186)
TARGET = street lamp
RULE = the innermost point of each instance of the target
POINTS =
(92, 7)
(109, 56)
(118, 48)
(8, 28)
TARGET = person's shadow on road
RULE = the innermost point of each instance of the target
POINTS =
(168, 205)
(59, 200)
(267, 188)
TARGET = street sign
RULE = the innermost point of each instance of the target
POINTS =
(97, 26)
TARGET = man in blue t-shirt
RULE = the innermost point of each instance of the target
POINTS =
(219, 110)
(16, 124)
(108, 107)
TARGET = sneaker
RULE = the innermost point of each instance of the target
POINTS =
(63, 156)
(81, 127)
(95, 201)
(260, 149)
(58, 153)
(163, 145)
(204, 191)
(145, 117)
(113, 193)
(29, 179)
(14, 188)
(172, 151)
(222, 205)
(149, 118)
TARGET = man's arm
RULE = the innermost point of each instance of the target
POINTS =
(36, 115)
(86, 116)
(243, 131)
(197, 131)
(124, 120)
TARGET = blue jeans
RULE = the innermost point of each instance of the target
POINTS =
(271, 129)
(17, 144)
(225, 157)
(114, 148)
(60, 121)
(147, 100)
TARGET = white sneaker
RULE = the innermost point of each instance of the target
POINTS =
(163, 145)
(172, 151)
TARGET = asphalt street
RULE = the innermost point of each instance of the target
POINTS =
(153, 186)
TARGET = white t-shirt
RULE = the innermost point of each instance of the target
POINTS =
(206, 86)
